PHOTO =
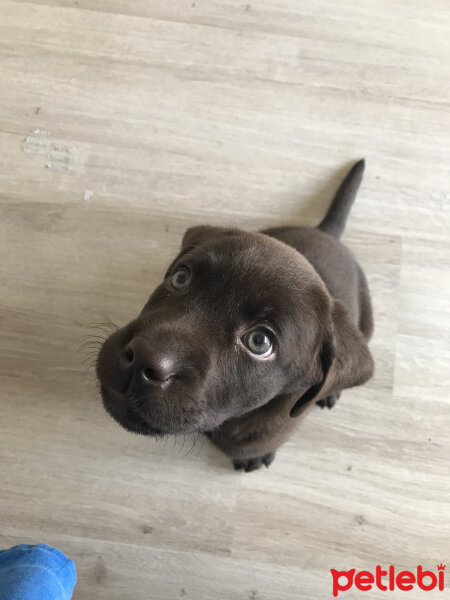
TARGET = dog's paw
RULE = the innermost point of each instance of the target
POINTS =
(329, 401)
(251, 464)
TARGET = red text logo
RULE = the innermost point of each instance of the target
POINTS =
(388, 579)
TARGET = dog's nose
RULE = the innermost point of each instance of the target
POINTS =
(149, 366)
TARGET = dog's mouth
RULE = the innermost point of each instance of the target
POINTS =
(127, 416)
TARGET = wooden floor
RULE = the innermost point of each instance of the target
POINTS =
(123, 122)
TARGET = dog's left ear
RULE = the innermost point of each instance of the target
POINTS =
(343, 360)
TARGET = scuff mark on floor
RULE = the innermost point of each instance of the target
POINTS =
(59, 156)
(39, 142)
(100, 571)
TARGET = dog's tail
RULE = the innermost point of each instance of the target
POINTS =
(336, 217)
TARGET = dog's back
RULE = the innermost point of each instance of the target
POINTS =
(333, 261)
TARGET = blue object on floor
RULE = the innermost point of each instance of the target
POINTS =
(36, 573)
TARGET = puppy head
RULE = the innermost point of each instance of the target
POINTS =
(239, 319)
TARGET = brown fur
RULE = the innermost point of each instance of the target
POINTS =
(182, 366)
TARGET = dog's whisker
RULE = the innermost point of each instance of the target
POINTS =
(195, 437)
(88, 349)
(93, 338)
(90, 345)
(94, 334)
(89, 359)
(106, 327)
(110, 322)
(186, 454)
(201, 448)
(90, 338)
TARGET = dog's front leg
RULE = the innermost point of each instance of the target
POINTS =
(252, 439)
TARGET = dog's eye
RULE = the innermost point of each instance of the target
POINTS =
(259, 342)
(180, 279)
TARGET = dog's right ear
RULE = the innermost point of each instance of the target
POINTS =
(202, 234)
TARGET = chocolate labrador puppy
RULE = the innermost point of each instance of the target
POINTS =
(245, 333)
